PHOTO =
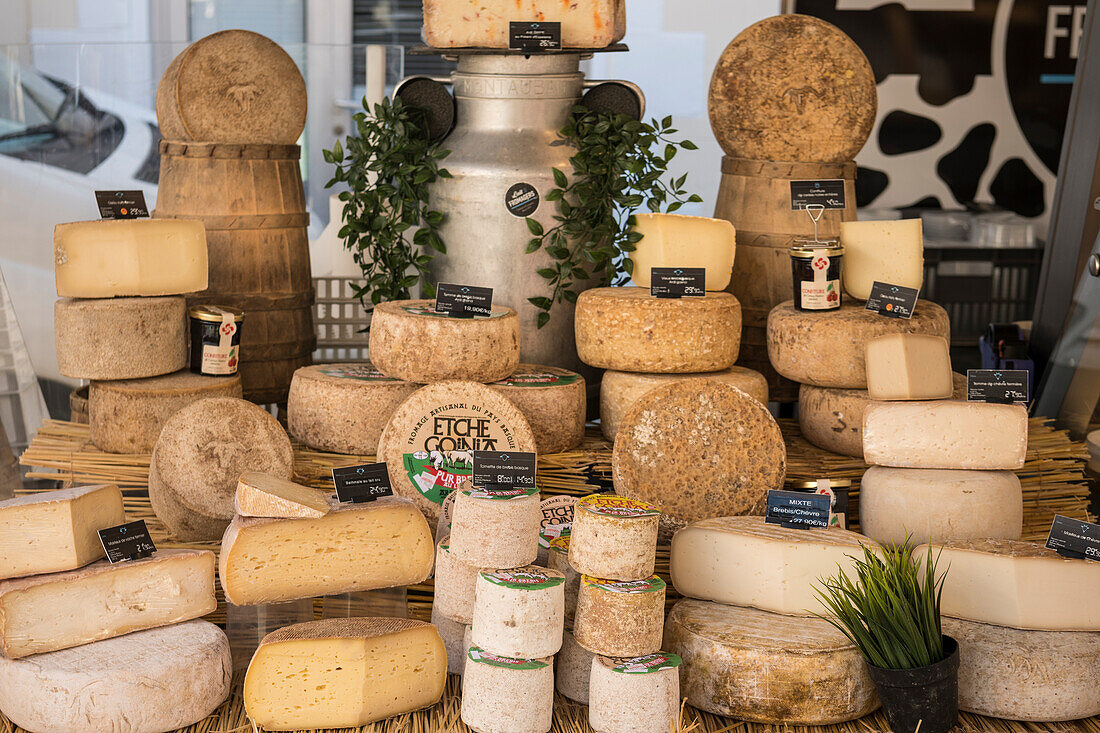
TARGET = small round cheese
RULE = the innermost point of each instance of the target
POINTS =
(455, 581)
(554, 402)
(614, 537)
(506, 695)
(120, 338)
(630, 330)
(620, 618)
(638, 694)
(519, 612)
(574, 668)
(559, 560)
(454, 636)
(496, 528)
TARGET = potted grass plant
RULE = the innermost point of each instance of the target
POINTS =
(891, 612)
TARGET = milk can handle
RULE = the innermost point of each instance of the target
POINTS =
(590, 83)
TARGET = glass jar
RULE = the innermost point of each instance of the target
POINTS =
(215, 339)
(815, 270)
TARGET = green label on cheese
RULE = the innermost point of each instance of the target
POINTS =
(538, 378)
(477, 654)
(523, 579)
(513, 492)
(648, 664)
(419, 310)
(649, 585)
(360, 372)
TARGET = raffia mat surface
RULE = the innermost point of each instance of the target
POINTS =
(1053, 483)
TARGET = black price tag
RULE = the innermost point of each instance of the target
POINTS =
(362, 483)
(798, 509)
(1074, 538)
(463, 301)
(1004, 386)
(129, 541)
(121, 204)
(677, 282)
(892, 301)
(513, 469)
(534, 36)
(829, 193)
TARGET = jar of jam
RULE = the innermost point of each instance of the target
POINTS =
(215, 339)
(815, 270)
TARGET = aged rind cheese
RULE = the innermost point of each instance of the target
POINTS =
(826, 348)
(411, 342)
(945, 434)
(887, 251)
(453, 634)
(554, 402)
(908, 366)
(620, 390)
(380, 544)
(1016, 674)
(574, 668)
(620, 618)
(120, 338)
(558, 559)
(429, 441)
(766, 667)
(199, 457)
(484, 24)
(745, 562)
(675, 240)
(937, 505)
(638, 694)
(1019, 584)
(698, 449)
(145, 682)
(455, 583)
(343, 408)
(263, 495)
(629, 330)
(507, 695)
(51, 531)
(44, 613)
(126, 415)
(344, 673)
(614, 537)
(519, 612)
(496, 527)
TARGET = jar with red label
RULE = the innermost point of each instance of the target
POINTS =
(215, 339)
(815, 269)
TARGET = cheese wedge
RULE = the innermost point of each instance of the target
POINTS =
(675, 240)
(264, 495)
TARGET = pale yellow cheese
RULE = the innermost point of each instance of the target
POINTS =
(484, 23)
(888, 251)
(675, 240)
(264, 495)
(908, 366)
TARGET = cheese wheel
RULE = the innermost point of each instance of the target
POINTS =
(614, 537)
(120, 338)
(620, 618)
(496, 528)
(574, 668)
(126, 416)
(620, 390)
(343, 408)
(767, 668)
(826, 348)
(453, 634)
(698, 449)
(455, 584)
(639, 694)
(558, 559)
(411, 342)
(485, 23)
(507, 695)
(519, 612)
(554, 402)
(629, 330)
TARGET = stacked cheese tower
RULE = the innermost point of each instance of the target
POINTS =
(94, 646)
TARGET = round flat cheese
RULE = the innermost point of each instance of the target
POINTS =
(614, 537)
(558, 559)
(574, 668)
(640, 694)
(620, 618)
(454, 636)
(552, 400)
(496, 527)
(120, 338)
(519, 612)
(455, 583)
(506, 694)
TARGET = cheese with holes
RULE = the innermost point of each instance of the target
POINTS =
(768, 668)
(343, 408)
(344, 673)
(745, 562)
(146, 682)
(127, 415)
(554, 402)
(640, 694)
(558, 559)
(1019, 584)
(455, 582)
(1026, 675)
(44, 613)
(614, 537)
(50, 531)
(519, 612)
(453, 634)
(936, 505)
(120, 338)
(826, 348)
(379, 544)
(574, 668)
(620, 390)
(945, 434)
(888, 251)
(113, 257)
(507, 695)
(908, 366)
(263, 495)
(675, 240)
(496, 527)
(620, 618)
(484, 24)
(411, 342)
(629, 330)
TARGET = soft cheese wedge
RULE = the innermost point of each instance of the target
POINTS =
(264, 495)
(675, 240)
(344, 673)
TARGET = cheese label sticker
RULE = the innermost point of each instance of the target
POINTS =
(538, 377)
(648, 664)
(610, 505)
(500, 493)
(479, 655)
(525, 579)
(557, 518)
(560, 544)
(649, 585)
(521, 199)
(364, 372)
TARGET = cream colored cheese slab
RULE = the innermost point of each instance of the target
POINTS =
(484, 24)
(264, 495)
(675, 240)
(908, 366)
(888, 251)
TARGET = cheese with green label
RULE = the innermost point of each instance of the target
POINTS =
(890, 252)
(496, 527)
(485, 24)
(455, 582)
(675, 240)
(620, 618)
(554, 402)
(614, 537)
(574, 668)
(264, 495)
(908, 366)
(120, 338)
(506, 694)
(519, 612)
(640, 694)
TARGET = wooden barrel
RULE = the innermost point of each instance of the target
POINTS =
(756, 197)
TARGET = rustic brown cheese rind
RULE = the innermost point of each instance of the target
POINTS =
(519, 612)
(766, 667)
(698, 449)
(614, 537)
(126, 416)
(620, 618)
(343, 408)
(638, 694)
(826, 348)
(455, 584)
(554, 402)
(507, 695)
(120, 338)
(574, 668)
(629, 330)
(411, 342)
(496, 528)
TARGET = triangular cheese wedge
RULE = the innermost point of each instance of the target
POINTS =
(264, 495)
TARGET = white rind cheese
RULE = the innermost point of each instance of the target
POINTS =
(507, 695)
(614, 537)
(620, 618)
(888, 251)
(455, 584)
(639, 694)
(484, 24)
(554, 402)
(496, 528)
(120, 338)
(454, 636)
(264, 495)
(574, 668)
(558, 559)
(675, 240)
(519, 612)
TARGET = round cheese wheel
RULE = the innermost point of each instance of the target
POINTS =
(519, 612)
(620, 618)
(411, 342)
(574, 668)
(455, 582)
(554, 402)
(507, 695)
(558, 559)
(826, 348)
(640, 694)
(496, 528)
(453, 634)
(120, 338)
(614, 537)
(630, 330)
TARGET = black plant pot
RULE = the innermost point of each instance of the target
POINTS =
(928, 696)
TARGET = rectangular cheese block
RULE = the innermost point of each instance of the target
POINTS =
(344, 673)
(908, 366)
(355, 547)
(56, 530)
(945, 434)
(484, 23)
(45, 613)
(888, 251)
(675, 240)
(117, 257)
(265, 495)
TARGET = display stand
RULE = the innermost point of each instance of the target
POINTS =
(246, 626)
(389, 602)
